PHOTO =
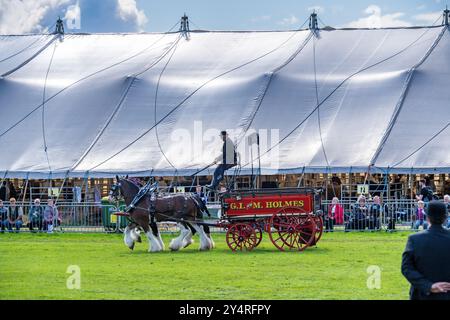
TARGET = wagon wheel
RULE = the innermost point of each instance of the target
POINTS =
(241, 236)
(258, 232)
(319, 229)
(307, 237)
(292, 228)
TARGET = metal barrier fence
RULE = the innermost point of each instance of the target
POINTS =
(96, 217)
(80, 217)
(398, 214)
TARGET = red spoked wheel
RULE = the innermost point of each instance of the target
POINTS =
(241, 236)
(292, 229)
(259, 233)
(319, 229)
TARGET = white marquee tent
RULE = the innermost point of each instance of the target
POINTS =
(326, 101)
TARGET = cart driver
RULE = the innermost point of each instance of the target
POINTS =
(226, 160)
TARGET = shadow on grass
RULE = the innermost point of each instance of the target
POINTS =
(227, 251)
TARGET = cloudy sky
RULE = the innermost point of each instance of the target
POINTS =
(34, 16)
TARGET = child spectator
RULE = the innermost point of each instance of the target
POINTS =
(420, 216)
(447, 204)
(51, 216)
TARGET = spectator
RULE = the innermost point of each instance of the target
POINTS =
(447, 204)
(430, 182)
(391, 217)
(375, 212)
(359, 215)
(198, 191)
(35, 216)
(335, 215)
(426, 259)
(12, 190)
(51, 216)
(425, 192)
(3, 191)
(3, 216)
(420, 216)
(14, 216)
(222, 188)
(446, 186)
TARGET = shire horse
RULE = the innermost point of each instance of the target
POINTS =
(185, 209)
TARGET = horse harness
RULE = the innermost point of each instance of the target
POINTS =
(150, 188)
(138, 197)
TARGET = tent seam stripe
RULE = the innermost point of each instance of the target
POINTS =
(83, 79)
(340, 85)
(119, 106)
(183, 101)
(23, 64)
(404, 93)
(262, 96)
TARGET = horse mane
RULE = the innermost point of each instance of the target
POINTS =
(136, 181)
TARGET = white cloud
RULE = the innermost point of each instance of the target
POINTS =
(25, 16)
(289, 21)
(127, 11)
(375, 19)
(429, 18)
(421, 7)
(317, 9)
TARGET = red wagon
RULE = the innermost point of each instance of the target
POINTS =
(291, 217)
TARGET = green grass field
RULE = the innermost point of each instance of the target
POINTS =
(33, 266)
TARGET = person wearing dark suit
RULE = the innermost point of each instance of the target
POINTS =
(426, 259)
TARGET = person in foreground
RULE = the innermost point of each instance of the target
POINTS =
(426, 259)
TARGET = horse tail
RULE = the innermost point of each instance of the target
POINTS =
(201, 206)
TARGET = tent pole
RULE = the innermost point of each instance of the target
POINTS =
(60, 189)
(387, 182)
(25, 188)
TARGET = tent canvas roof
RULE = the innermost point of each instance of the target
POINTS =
(331, 101)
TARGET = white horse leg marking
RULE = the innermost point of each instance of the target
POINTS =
(205, 242)
(161, 243)
(153, 242)
(187, 241)
(127, 238)
(177, 243)
(213, 244)
(135, 235)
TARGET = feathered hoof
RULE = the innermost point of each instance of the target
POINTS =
(188, 243)
(174, 246)
(204, 248)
